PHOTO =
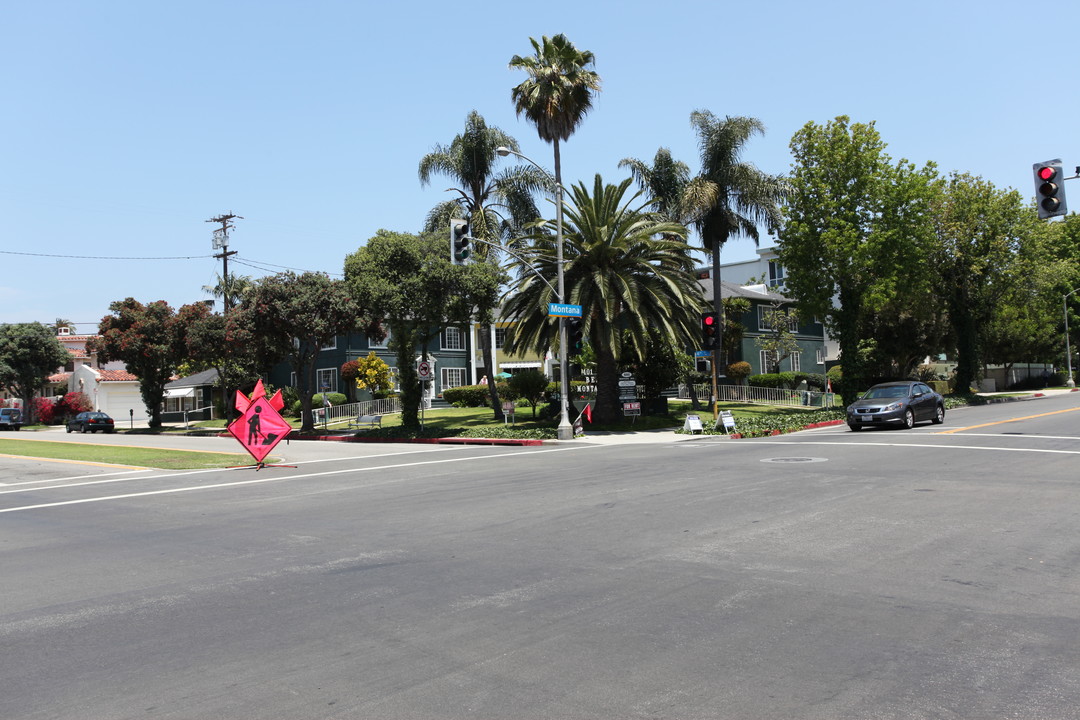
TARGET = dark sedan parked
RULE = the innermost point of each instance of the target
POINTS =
(91, 422)
(896, 403)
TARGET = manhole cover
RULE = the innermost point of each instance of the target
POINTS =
(793, 460)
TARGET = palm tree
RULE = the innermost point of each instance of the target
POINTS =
(665, 181)
(630, 284)
(558, 92)
(497, 205)
(729, 196)
(231, 289)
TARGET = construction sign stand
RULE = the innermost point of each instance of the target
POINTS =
(260, 426)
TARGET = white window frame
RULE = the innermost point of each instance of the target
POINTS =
(776, 274)
(448, 376)
(820, 356)
(765, 360)
(793, 320)
(796, 361)
(448, 333)
(331, 374)
(500, 337)
(377, 345)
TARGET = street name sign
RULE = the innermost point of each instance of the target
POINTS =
(563, 310)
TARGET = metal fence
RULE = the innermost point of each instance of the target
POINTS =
(761, 395)
(340, 414)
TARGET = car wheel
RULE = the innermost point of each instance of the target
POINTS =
(83, 429)
(939, 415)
(69, 428)
(909, 419)
(855, 428)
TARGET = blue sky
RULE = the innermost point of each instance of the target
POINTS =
(129, 124)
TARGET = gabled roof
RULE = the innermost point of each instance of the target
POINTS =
(199, 379)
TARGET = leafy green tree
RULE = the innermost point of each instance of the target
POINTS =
(150, 342)
(29, 354)
(857, 229)
(213, 341)
(982, 235)
(779, 341)
(623, 276)
(528, 385)
(418, 292)
(496, 204)
(664, 364)
(373, 375)
(294, 317)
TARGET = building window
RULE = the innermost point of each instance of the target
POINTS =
(452, 377)
(326, 379)
(767, 360)
(385, 342)
(332, 345)
(500, 338)
(796, 361)
(776, 274)
(453, 339)
(821, 356)
(764, 325)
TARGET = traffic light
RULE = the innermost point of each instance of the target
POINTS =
(459, 241)
(575, 333)
(710, 331)
(1050, 188)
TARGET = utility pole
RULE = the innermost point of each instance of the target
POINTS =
(221, 242)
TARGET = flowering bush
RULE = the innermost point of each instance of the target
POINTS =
(45, 411)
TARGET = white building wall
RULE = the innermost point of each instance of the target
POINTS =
(120, 400)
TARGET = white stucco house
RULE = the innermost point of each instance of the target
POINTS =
(114, 392)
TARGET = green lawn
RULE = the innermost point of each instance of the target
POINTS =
(123, 455)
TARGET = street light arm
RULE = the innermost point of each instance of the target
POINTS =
(523, 261)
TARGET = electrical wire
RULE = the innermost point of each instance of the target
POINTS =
(102, 257)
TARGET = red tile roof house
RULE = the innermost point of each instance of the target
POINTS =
(114, 392)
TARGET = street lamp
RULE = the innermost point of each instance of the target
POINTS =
(566, 430)
(1068, 350)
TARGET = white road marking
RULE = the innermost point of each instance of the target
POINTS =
(282, 478)
(918, 445)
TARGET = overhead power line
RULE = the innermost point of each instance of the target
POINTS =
(103, 257)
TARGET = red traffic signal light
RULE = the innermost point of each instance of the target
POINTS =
(710, 331)
(1049, 189)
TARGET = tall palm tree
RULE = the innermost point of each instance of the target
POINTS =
(665, 181)
(558, 92)
(497, 205)
(630, 283)
(729, 196)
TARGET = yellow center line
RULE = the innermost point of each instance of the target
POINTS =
(1002, 422)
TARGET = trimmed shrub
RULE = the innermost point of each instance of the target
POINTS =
(739, 370)
(470, 395)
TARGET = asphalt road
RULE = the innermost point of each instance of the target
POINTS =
(930, 573)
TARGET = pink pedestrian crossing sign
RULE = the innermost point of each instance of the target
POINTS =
(260, 426)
